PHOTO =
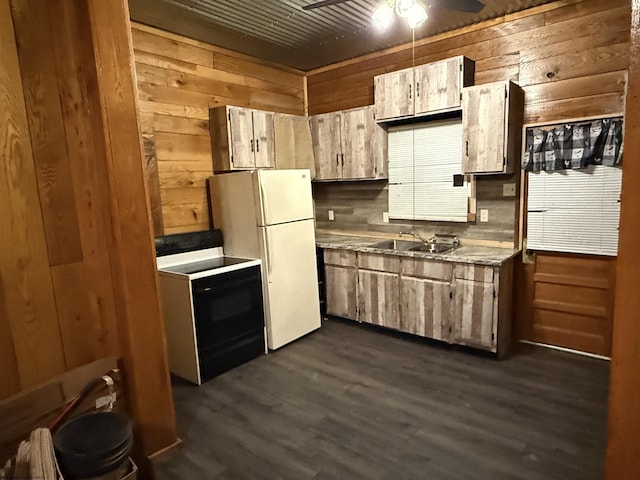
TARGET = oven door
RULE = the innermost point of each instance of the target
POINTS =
(229, 319)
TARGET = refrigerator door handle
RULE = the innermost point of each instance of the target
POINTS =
(268, 253)
(264, 204)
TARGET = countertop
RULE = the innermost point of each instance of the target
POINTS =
(463, 254)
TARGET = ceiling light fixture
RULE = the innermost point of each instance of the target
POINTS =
(414, 13)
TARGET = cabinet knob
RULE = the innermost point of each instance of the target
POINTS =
(257, 144)
(417, 89)
(409, 90)
(337, 159)
(467, 147)
(252, 145)
(342, 156)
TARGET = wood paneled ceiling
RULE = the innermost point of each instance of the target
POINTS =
(282, 32)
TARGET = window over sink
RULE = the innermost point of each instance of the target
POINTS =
(425, 166)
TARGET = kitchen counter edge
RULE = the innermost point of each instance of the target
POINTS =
(464, 254)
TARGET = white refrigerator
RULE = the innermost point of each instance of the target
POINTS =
(268, 214)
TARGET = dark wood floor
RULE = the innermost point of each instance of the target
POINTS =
(349, 402)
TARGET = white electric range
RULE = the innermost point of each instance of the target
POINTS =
(212, 303)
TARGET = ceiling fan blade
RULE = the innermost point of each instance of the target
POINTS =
(324, 3)
(469, 6)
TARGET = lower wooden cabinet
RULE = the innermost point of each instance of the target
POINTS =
(460, 303)
(425, 307)
(341, 291)
(474, 319)
(378, 295)
(341, 280)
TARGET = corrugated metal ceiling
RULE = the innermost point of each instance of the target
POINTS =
(281, 31)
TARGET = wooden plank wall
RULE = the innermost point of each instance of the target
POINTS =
(571, 58)
(179, 79)
(78, 280)
(58, 309)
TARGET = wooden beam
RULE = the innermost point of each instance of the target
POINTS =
(131, 247)
(623, 459)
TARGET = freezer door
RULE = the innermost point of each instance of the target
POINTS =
(290, 277)
(284, 196)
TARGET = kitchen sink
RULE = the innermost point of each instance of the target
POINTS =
(432, 247)
(397, 245)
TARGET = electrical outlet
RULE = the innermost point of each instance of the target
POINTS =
(385, 217)
(331, 216)
(484, 215)
(509, 190)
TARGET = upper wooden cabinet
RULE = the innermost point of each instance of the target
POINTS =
(293, 146)
(349, 145)
(241, 138)
(394, 94)
(492, 116)
(422, 90)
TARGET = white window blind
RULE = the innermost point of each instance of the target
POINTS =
(576, 211)
(422, 162)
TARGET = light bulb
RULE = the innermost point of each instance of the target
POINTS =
(403, 7)
(382, 16)
(416, 16)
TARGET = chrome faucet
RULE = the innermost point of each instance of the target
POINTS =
(415, 235)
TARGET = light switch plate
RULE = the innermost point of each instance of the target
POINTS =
(509, 190)
(385, 217)
(484, 215)
(331, 216)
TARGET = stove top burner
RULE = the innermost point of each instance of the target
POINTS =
(204, 265)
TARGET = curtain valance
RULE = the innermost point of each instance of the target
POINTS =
(573, 145)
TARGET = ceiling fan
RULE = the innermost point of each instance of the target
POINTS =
(469, 6)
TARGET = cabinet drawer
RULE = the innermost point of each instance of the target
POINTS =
(476, 273)
(345, 258)
(418, 267)
(379, 262)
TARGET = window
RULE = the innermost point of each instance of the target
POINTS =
(423, 160)
(576, 211)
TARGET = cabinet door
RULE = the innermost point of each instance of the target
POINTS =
(394, 94)
(263, 138)
(425, 307)
(438, 85)
(340, 283)
(378, 298)
(325, 136)
(241, 135)
(293, 142)
(483, 127)
(356, 131)
(474, 322)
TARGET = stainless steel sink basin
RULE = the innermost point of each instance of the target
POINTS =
(397, 245)
(432, 247)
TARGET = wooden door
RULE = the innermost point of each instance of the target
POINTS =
(566, 300)
(356, 132)
(378, 295)
(394, 94)
(325, 137)
(438, 85)
(483, 127)
(425, 307)
(341, 291)
(474, 320)
(264, 139)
